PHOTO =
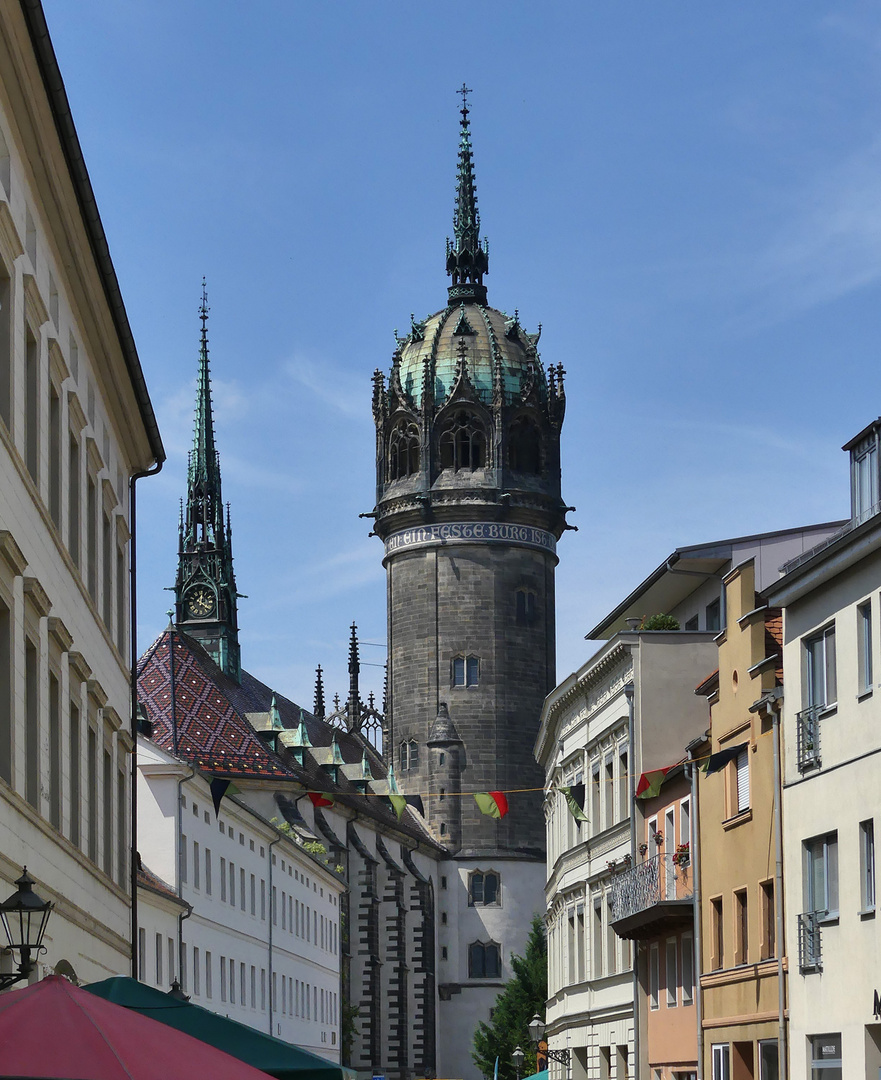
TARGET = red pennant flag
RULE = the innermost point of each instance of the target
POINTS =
(492, 803)
(321, 798)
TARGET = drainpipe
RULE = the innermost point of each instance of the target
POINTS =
(180, 863)
(133, 709)
(631, 739)
(271, 917)
(696, 908)
(782, 1053)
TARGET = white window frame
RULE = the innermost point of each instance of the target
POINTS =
(867, 865)
(821, 676)
(864, 634)
(822, 849)
(741, 780)
(671, 977)
(721, 1057)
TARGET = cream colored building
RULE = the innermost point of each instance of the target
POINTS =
(584, 738)
(75, 424)
(831, 798)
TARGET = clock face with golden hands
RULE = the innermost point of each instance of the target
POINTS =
(200, 602)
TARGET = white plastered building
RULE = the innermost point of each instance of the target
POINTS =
(75, 424)
(259, 938)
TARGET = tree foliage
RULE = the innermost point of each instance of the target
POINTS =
(523, 996)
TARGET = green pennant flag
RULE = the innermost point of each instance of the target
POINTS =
(574, 796)
(492, 803)
(650, 783)
(401, 802)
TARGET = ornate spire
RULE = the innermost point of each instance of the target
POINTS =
(354, 703)
(467, 257)
(205, 588)
(318, 706)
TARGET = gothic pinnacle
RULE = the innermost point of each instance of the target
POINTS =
(467, 257)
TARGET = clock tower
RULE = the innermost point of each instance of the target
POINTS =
(205, 587)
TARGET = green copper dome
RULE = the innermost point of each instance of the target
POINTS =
(488, 339)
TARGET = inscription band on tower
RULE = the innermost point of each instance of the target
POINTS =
(471, 532)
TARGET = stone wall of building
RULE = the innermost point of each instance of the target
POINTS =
(460, 602)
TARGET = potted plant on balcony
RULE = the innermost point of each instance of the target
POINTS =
(682, 855)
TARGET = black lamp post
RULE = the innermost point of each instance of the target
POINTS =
(518, 1057)
(24, 916)
(536, 1027)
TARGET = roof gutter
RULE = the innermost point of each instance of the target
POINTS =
(57, 96)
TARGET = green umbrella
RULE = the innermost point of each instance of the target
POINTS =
(273, 1056)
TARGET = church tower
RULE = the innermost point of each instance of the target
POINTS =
(205, 587)
(468, 505)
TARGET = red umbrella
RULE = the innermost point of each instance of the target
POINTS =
(54, 1029)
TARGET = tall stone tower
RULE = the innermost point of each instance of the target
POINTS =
(205, 586)
(468, 506)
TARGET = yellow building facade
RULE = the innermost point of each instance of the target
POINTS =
(742, 1001)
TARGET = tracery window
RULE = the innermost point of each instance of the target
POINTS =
(484, 960)
(403, 451)
(484, 889)
(463, 443)
(524, 446)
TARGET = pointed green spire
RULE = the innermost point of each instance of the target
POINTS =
(467, 257)
(205, 587)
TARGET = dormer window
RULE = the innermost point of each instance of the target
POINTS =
(864, 477)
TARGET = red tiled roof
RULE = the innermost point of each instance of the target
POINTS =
(210, 731)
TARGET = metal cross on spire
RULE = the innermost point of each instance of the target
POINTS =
(464, 91)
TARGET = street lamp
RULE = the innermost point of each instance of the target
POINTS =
(518, 1057)
(536, 1028)
(24, 916)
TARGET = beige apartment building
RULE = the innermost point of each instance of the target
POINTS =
(831, 801)
(75, 424)
(742, 1001)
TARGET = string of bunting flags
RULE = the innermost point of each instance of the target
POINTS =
(495, 803)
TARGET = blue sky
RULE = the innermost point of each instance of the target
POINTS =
(686, 196)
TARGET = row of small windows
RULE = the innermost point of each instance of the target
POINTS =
(300, 919)
(300, 999)
(462, 444)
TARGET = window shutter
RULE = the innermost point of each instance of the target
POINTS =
(743, 780)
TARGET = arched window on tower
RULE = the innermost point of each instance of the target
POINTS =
(483, 889)
(484, 960)
(463, 443)
(403, 456)
(524, 446)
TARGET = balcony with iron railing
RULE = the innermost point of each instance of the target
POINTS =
(807, 728)
(653, 896)
(810, 955)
